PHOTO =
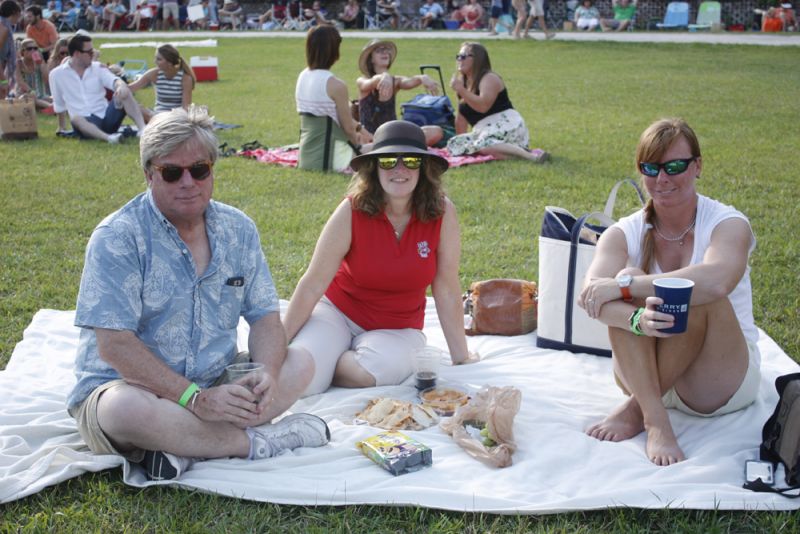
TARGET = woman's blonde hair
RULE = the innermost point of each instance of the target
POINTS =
(427, 201)
(653, 144)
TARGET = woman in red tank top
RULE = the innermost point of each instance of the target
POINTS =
(359, 308)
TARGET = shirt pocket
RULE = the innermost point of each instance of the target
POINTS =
(230, 306)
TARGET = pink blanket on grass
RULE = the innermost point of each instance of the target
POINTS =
(287, 156)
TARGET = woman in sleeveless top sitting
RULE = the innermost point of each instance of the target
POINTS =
(173, 79)
(713, 367)
(497, 128)
(32, 74)
(359, 309)
(378, 87)
(329, 136)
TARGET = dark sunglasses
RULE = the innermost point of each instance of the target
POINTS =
(672, 167)
(90, 51)
(172, 173)
(63, 53)
(410, 162)
(462, 57)
(28, 49)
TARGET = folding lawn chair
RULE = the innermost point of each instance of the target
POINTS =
(677, 16)
(709, 16)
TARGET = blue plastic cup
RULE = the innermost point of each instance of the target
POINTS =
(676, 294)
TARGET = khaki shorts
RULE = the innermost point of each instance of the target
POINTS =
(86, 417)
(536, 8)
(744, 396)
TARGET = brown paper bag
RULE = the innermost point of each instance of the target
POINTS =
(18, 119)
(495, 407)
(502, 307)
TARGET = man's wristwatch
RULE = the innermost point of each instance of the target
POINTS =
(624, 282)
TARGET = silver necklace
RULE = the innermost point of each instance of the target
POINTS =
(397, 228)
(680, 238)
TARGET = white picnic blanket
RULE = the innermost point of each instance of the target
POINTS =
(556, 468)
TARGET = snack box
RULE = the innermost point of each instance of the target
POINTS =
(205, 68)
(396, 452)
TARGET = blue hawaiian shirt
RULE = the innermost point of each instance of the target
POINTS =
(140, 276)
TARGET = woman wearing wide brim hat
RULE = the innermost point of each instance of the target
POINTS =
(378, 87)
(359, 309)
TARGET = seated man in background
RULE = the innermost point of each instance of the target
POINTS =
(94, 14)
(40, 30)
(430, 11)
(79, 88)
(624, 11)
(165, 281)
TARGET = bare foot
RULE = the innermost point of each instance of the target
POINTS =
(623, 423)
(662, 447)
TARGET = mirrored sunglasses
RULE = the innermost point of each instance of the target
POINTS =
(409, 162)
(172, 173)
(672, 167)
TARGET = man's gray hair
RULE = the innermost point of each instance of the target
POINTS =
(167, 132)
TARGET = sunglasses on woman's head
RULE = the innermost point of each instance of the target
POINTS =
(671, 167)
(172, 173)
(410, 162)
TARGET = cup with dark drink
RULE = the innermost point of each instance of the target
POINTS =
(426, 367)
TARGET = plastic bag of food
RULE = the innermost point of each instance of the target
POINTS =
(494, 409)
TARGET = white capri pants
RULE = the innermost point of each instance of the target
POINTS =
(328, 333)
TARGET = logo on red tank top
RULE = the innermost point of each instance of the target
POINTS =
(423, 249)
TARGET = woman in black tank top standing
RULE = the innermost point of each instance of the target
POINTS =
(497, 128)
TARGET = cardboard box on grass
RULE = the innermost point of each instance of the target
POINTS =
(18, 119)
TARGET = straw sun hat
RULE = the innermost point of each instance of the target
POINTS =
(363, 59)
(398, 137)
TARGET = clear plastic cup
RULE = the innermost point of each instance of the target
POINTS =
(426, 367)
(245, 374)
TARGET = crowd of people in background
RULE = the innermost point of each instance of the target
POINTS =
(494, 16)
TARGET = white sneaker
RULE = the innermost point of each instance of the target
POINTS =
(296, 430)
(159, 465)
(115, 138)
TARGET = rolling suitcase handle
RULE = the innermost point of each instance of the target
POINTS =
(438, 69)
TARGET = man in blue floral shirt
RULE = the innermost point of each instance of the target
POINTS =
(165, 281)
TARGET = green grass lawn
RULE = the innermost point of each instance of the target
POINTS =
(586, 103)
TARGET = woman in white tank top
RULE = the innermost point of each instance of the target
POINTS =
(713, 367)
(329, 136)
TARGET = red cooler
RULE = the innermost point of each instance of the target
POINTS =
(205, 68)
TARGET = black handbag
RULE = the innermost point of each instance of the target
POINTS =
(780, 437)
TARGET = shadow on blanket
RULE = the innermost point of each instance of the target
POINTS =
(556, 467)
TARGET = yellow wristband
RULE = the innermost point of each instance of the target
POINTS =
(188, 394)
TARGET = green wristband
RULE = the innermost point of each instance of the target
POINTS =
(187, 395)
(634, 321)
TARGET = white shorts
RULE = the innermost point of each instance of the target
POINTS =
(585, 23)
(536, 8)
(328, 333)
(744, 396)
